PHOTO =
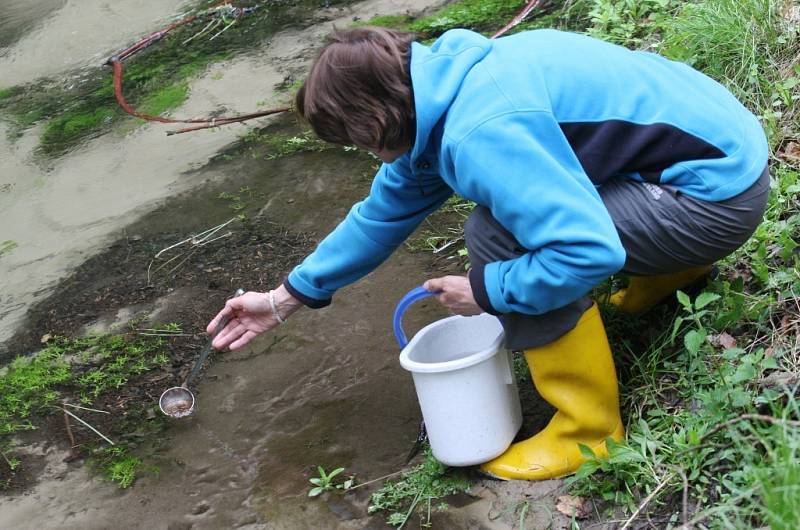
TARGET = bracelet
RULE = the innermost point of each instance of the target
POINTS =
(281, 320)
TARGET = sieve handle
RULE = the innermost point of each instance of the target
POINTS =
(414, 295)
(207, 350)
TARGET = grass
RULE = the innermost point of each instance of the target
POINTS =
(751, 46)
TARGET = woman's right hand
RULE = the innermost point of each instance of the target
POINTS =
(250, 315)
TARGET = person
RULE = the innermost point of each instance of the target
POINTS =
(584, 159)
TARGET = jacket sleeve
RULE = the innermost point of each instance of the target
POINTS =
(521, 166)
(397, 203)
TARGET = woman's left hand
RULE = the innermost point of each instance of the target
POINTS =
(455, 294)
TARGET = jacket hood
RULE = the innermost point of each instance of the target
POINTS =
(436, 76)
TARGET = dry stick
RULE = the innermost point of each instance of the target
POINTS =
(375, 480)
(69, 430)
(647, 501)
(98, 433)
(685, 497)
(7, 460)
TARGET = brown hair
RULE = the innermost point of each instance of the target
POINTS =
(358, 91)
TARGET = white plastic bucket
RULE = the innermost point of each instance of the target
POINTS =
(465, 386)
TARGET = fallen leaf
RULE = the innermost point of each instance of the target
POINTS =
(723, 340)
(777, 379)
(570, 506)
(791, 153)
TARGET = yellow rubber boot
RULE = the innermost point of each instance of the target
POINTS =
(576, 375)
(645, 292)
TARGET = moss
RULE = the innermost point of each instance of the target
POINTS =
(165, 99)
(66, 129)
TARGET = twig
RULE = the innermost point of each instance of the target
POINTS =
(101, 435)
(7, 460)
(197, 239)
(165, 334)
(647, 501)
(228, 25)
(411, 510)
(685, 498)
(87, 408)
(375, 480)
(69, 430)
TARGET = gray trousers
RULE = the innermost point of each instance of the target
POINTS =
(661, 229)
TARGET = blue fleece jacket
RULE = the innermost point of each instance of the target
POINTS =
(529, 126)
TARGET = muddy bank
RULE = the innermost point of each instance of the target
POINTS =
(126, 172)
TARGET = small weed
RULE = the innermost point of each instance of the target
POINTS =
(479, 15)
(239, 201)
(118, 465)
(325, 482)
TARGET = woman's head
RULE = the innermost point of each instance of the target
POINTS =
(358, 91)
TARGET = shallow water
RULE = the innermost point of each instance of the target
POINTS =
(17, 17)
(46, 38)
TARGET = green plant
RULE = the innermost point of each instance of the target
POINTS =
(118, 465)
(630, 23)
(417, 488)
(325, 482)
(479, 15)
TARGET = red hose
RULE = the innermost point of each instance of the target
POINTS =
(206, 123)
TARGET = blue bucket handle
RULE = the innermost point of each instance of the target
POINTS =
(414, 295)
